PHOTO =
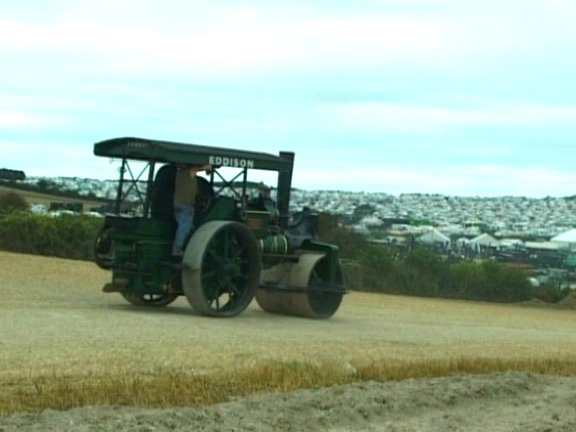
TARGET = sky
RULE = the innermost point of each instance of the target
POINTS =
(467, 98)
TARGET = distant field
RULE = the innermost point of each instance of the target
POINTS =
(45, 199)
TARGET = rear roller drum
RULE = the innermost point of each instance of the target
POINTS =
(221, 268)
(302, 288)
(324, 298)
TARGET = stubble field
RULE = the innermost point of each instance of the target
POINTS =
(381, 363)
(33, 197)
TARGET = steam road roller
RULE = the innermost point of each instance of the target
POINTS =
(241, 246)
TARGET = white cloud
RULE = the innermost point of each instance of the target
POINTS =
(214, 40)
(16, 119)
(396, 117)
(242, 41)
(51, 159)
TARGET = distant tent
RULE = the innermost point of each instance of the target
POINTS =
(510, 243)
(433, 236)
(462, 242)
(567, 239)
(548, 246)
(483, 242)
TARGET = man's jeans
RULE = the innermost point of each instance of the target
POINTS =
(184, 215)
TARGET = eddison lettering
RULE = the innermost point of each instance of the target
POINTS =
(231, 162)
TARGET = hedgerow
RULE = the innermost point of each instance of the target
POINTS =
(66, 236)
(422, 272)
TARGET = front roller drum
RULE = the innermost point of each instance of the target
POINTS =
(302, 288)
(221, 268)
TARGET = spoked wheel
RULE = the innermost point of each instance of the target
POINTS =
(310, 293)
(150, 300)
(103, 249)
(221, 268)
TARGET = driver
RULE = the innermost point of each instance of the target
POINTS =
(185, 189)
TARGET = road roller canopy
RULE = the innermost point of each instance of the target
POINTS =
(193, 154)
(169, 154)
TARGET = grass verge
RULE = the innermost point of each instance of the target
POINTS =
(180, 389)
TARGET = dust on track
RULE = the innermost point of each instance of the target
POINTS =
(55, 320)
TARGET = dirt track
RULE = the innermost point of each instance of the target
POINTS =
(54, 319)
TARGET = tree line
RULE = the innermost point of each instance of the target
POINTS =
(423, 272)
